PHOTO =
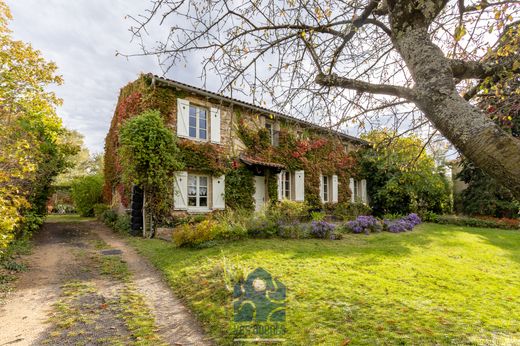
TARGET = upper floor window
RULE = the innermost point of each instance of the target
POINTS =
(325, 188)
(197, 190)
(274, 136)
(286, 185)
(198, 123)
(269, 127)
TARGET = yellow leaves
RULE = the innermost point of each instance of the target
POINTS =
(460, 31)
(516, 65)
(5, 17)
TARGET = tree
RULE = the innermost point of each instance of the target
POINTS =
(80, 164)
(483, 195)
(86, 191)
(148, 153)
(403, 176)
(32, 148)
(349, 60)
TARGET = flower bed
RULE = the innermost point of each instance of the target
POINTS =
(368, 224)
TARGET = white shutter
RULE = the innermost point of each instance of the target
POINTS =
(351, 186)
(183, 114)
(280, 185)
(180, 191)
(334, 189)
(215, 125)
(299, 186)
(321, 189)
(364, 194)
(218, 185)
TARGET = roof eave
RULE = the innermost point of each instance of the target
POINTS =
(244, 104)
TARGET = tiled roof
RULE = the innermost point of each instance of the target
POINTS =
(191, 88)
(259, 162)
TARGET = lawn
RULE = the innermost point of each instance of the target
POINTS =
(438, 284)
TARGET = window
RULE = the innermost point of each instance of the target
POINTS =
(197, 190)
(286, 185)
(325, 188)
(198, 123)
(358, 190)
(269, 127)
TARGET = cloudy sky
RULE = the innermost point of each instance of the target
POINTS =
(82, 37)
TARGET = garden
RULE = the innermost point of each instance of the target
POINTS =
(439, 284)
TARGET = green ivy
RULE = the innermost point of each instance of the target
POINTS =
(203, 157)
(239, 185)
(149, 157)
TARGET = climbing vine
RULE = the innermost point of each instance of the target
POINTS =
(204, 157)
(134, 98)
(313, 153)
(239, 184)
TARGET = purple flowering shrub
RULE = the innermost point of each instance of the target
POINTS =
(364, 224)
(323, 230)
(404, 224)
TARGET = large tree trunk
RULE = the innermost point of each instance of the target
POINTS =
(467, 127)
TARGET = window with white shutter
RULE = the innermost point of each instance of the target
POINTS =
(198, 123)
(215, 125)
(334, 189)
(279, 177)
(218, 185)
(352, 190)
(325, 188)
(183, 111)
(299, 186)
(364, 193)
(180, 191)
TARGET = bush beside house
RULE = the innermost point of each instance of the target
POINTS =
(86, 192)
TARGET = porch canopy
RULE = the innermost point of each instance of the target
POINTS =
(258, 165)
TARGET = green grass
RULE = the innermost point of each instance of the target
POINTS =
(67, 218)
(439, 284)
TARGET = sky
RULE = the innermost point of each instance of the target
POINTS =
(82, 37)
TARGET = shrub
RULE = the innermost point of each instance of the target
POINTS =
(428, 216)
(350, 211)
(365, 224)
(31, 222)
(322, 230)
(262, 226)
(317, 216)
(404, 224)
(232, 224)
(86, 192)
(194, 234)
(109, 217)
(287, 211)
(475, 222)
(99, 209)
(122, 224)
(392, 216)
(294, 231)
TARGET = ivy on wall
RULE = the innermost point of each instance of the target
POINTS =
(204, 157)
(134, 98)
(312, 153)
(239, 184)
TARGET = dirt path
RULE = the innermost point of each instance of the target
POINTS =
(87, 286)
